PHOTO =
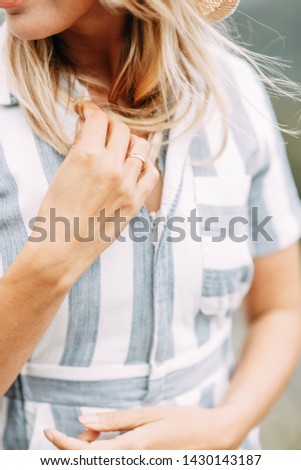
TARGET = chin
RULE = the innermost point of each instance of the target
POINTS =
(28, 36)
(23, 29)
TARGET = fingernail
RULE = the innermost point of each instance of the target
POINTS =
(89, 419)
(48, 434)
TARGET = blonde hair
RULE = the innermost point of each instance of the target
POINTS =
(168, 38)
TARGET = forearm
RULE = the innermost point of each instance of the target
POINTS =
(31, 292)
(268, 360)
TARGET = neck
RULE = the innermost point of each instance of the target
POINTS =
(93, 44)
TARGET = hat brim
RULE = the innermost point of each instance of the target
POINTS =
(217, 10)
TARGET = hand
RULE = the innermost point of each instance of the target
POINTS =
(95, 178)
(175, 428)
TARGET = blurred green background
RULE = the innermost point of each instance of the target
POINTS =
(273, 27)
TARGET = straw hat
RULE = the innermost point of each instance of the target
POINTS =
(216, 10)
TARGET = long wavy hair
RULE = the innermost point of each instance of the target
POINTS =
(167, 38)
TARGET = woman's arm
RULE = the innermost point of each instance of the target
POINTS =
(273, 343)
(269, 358)
(29, 298)
(93, 177)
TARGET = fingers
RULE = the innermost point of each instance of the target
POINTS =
(78, 130)
(148, 179)
(118, 138)
(134, 166)
(130, 440)
(122, 420)
(63, 442)
(96, 130)
(88, 435)
(94, 126)
(138, 423)
(100, 135)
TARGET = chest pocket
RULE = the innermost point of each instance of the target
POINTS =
(222, 203)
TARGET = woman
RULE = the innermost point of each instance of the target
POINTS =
(126, 344)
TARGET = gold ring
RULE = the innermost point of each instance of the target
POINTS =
(139, 157)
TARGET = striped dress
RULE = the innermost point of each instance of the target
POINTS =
(149, 323)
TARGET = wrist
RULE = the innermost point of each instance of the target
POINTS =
(38, 263)
(234, 423)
